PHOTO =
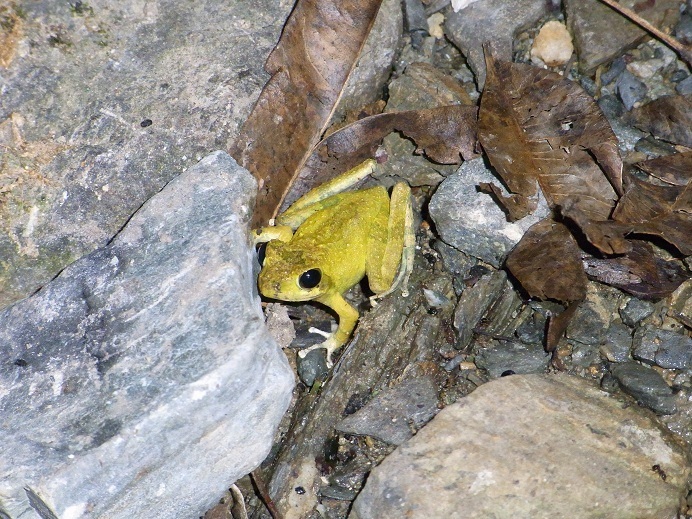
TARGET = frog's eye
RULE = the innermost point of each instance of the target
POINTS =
(310, 278)
(261, 252)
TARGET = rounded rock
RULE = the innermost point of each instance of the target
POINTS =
(553, 44)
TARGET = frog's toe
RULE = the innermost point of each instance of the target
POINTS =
(330, 345)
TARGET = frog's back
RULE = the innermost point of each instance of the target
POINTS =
(347, 217)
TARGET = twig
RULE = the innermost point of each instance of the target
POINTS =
(264, 494)
(683, 51)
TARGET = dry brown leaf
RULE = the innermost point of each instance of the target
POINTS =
(606, 235)
(657, 210)
(547, 264)
(645, 208)
(539, 128)
(668, 118)
(318, 49)
(674, 169)
(640, 272)
(428, 87)
(445, 134)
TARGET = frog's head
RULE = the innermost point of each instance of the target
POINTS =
(291, 275)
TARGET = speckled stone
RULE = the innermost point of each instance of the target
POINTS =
(629, 89)
(618, 343)
(646, 386)
(635, 311)
(491, 453)
(517, 357)
(665, 348)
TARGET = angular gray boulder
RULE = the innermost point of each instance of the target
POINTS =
(141, 382)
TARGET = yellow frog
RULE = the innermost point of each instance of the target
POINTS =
(340, 237)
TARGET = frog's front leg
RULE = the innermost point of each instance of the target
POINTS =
(273, 232)
(318, 198)
(348, 317)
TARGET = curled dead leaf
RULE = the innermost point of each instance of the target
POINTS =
(657, 210)
(639, 272)
(673, 169)
(547, 264)
(318, 49)
(541, 129)
(668, 118)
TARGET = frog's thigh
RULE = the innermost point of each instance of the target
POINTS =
(385, 252)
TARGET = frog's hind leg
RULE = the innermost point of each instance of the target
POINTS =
(391, 262)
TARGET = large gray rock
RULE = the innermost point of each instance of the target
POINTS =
(141, 382)
(473, 222)
(102, 103)
(531, 446)
(84, 82)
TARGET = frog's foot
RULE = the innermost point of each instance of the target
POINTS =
(331, 345)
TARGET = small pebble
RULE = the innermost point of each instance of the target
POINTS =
(679, 75)
(458, 5)
(645, 69)
(683, 30)
(532, 331)
(585, 355)
(552, 45)
(646, 386)
(683, 380)
(589, 85)
(685, 86)
(665, 348)
(313, 366)
(435, 22)
(618, 343)
(636, 310)
(589, 324)
(630, 90)
(436, 299)
(616, 68)
(519, 358)
(611, 106)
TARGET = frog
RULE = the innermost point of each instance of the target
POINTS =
(331, 238)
